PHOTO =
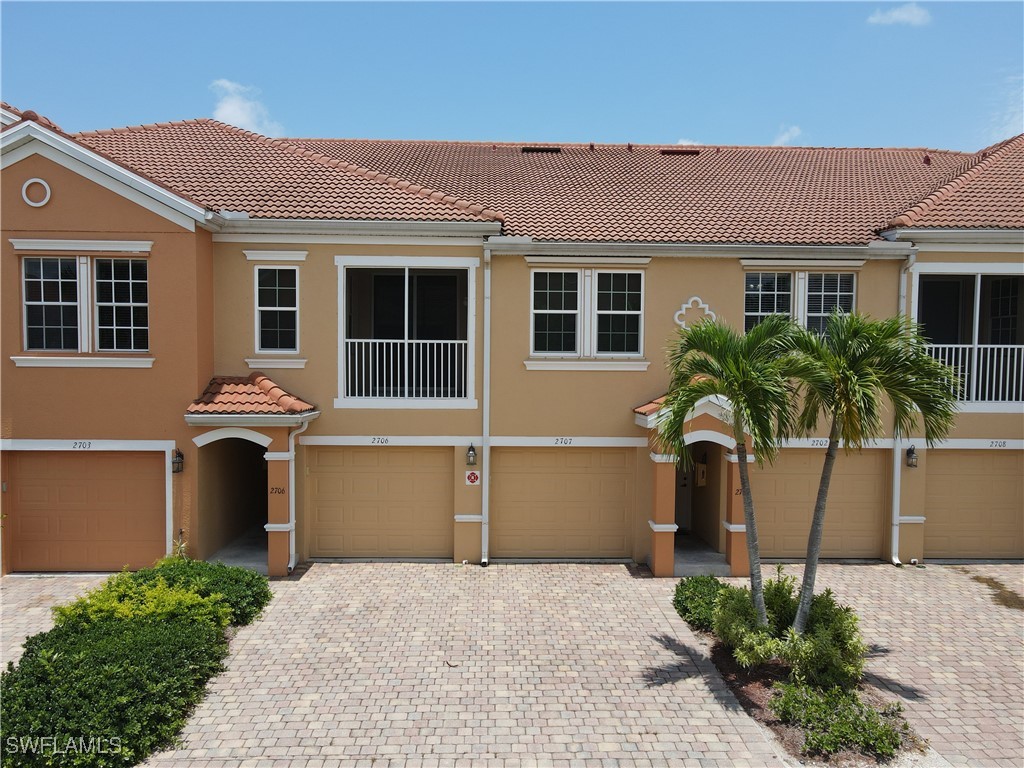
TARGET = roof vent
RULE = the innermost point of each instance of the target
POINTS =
(927, 160)
(541, 150)
(680, 151)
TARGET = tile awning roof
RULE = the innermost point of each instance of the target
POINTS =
(635, 193)
(227, 168)
(987, 194)
(255, 394)
(650, 408)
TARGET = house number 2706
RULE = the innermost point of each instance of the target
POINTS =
(276, 489)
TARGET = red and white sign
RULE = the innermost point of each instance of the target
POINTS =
(472, 477)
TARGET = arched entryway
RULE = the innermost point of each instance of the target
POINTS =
(700, 508)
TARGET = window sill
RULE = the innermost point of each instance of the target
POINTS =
(24, 361)
(396, 403)
(275, 363)
(575, 364)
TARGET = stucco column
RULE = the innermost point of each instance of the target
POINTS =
(468, 506)
(663, 516)
(735, 529)
(913, 484)
(277, 518)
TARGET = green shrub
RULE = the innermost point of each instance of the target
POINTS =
(123, 596)
(829, 653)
(833, 720)
(107, 691)
(695, 600)
(244, 590)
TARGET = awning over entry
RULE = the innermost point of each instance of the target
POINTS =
(228, 399)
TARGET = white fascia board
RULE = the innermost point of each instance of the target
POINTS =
(28, 444)
(630, 260)
(448, 262)
(368, 239)
(249, 420)
(968, 268)
(364, 227)
(957, 236)
(7, 117)
(509, 247)
(107, 246)
(31, 131)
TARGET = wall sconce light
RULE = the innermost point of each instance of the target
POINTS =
(471, 456)
(177, 461)
(911, 457)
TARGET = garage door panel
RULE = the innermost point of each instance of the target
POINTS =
(562, 502)
(95, 511)
(974, 504)
(381, 502)
(784, 495)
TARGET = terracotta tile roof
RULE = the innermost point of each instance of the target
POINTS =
(29, 114)
(254, 394)
(652, 407)
(227, 168)
(987, 193)
(647, 193)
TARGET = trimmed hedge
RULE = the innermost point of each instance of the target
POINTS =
(105, 692)
(246, 592)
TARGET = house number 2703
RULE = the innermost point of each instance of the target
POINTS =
(276, 489)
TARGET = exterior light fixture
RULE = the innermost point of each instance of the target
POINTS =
(911, 457)
(471, 456)
(177, 461)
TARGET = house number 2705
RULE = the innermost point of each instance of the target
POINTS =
(276, 489)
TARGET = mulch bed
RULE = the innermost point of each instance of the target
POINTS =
(753, 689)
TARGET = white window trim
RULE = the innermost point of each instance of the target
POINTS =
(62, 361)
(257, 308)
(586, 322)
(275, 363)
(276, 255)
(470, 264)
(93, 304)
(78, 246)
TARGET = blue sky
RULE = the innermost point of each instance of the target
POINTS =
(946, 75)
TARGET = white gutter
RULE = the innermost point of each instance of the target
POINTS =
(367, 227)
(291, 493)
(897, 445)
(485, 475)
(250, 419)
(516, 246)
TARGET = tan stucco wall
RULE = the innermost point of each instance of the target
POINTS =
(108, 403)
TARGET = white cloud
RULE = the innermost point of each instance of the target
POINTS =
(911, 14)
(1008, 115)
(786, 135)
(688, 142)
(237, 104)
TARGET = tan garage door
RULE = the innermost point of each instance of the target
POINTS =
(857, 503)
(381, 502)
(974, 505)
(562, 502)
(96, 511)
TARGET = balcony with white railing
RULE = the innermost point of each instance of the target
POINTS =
(988, 373)
(400, 369)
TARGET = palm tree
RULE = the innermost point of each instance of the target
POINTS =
(754, 372)
(849, 373)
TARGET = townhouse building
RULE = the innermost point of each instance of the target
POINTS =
(456, 350)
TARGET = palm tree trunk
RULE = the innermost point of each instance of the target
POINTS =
(753, 549)
(817, 529)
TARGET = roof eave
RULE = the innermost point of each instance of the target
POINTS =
(250, 419)
(520, 246)
(964, 235)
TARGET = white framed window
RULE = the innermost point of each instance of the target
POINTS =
(64, 313)
(586, 313)
(808, 297)
(122, 305)
(277, 309)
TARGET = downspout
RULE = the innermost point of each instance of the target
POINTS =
(897, 450)
(291, 493)
(485, 475)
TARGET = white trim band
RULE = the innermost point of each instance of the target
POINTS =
(732, 458)
(588, 260)
(734, 527)
(912, 518)
(469, 518)
(509, 441)
(233, 432)
(275, 255)
(272, 364)
(587, 365)
(50, 361)
(113, 246)
(278, 455)
(279, 527)
(664, 458)
(385, 441)
(250, 419)
(663, 527)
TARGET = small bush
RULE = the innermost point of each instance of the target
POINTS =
(245, 591)
(695, 600)
(780, 602)
(107, 691)
(124, 597)
(834, 720)
(734, 616)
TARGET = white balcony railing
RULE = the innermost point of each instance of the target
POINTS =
(989, 373)
(378, 368)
